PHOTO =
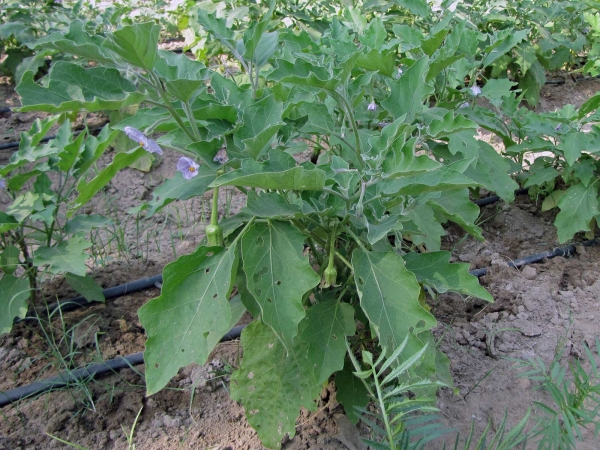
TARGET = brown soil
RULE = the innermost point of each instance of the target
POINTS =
(538, 311)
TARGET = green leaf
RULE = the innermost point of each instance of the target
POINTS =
(552, 200)
(496, 91)
(541, 176)
(324, 330)
(76, 42)
(7, 222)
(270, 205)
(389, 296)
(440, 179)
(378, 61)
(68, 256)
(402, 159)
(303, 73)
(87, 189)
(351, 392)
(409, 92)
(572, 145)
(190, 316)
(531, 83)
(9, 259)
(424, 218)
(14, 293)
(435, 270)
(577, 206)
(375, 36)
(434, 42)
(184, 77)
(136, 44)
(491, 170)
(274, 382)
(259, 175)
(72, 87)
(278, 275)
(86, 286)
(178, 188)
(261, 121)
(84, 223)
(265, 48)
(417, 7)
(456, 205)
(503, 45)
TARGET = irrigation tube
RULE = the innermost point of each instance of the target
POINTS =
(86, 373)
(113, 292)
(539, 257)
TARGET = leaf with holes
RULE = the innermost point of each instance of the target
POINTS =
(274, 382)
(191, 312)
(278, 275)
(389, 296)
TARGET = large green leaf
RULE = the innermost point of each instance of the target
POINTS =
(261, 121)
(72, 87)
(274, 382)
(491, 170)
(423, 217)
(87, 189)
(303, 73)
(577, 206)
(270, 205)
(456, 205)
(76, 42)
(278, 275)
(136, 44)
(184, 77)
(259, 175)
(389, 296)
(191, 313)
(68, 256)
(435, 270)
(440, 179)
(14, 293)
(409, 92)
(503, 45)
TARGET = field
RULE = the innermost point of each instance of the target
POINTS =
(315, 173)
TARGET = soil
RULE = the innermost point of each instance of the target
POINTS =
(540, 311)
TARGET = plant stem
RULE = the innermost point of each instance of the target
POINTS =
(383, 410)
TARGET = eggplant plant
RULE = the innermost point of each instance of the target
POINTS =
(340, 238)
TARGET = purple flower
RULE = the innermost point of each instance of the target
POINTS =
(2, 183)
(146, 143)
(187, 167)
(558, 127)
(475, 90)
(464, 105)
(372, 107)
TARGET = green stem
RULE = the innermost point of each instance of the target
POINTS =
(167, 105)
(356, 239)
(190, 115)
(214, 215)
(348, 109)
(239, 236)
(388, 429)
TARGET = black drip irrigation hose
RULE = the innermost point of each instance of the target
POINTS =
(113, 292)
(539, 257)
(87, 373)
(494, 198)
